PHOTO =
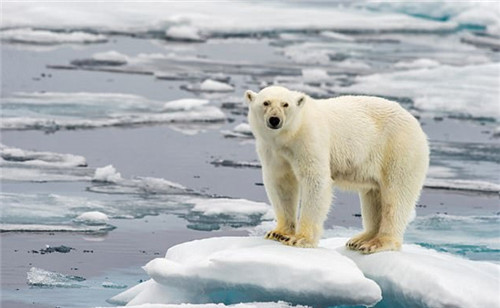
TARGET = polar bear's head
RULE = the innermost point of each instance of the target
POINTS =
(274, 107)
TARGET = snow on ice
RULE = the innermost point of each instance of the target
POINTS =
(439, 89)
(236, 269)
(211, 18)
(45, 37)
(420, 277)
(92, 218)
(250, 269)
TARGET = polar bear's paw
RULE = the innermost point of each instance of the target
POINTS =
(380, 243)
(278, 236)
(355, 242)
(300, 241)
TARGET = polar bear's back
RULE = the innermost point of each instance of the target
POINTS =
(368, 132)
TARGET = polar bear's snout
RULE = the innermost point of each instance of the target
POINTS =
(274, 123)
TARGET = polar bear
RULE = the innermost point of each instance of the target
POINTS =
(362, 143)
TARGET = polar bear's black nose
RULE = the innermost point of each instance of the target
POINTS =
(274, 122)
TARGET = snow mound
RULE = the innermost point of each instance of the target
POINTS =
(107, 174)
(92, 218)
(210, 85)
(44, 37)
(420, 277)
(248, 269)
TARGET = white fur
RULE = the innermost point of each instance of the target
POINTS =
(362, 143)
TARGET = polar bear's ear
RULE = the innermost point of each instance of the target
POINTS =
(250, 96)
(301, 100)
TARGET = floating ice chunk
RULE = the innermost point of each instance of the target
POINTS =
(241, 130)
(314, 75)
(337, 36)
(184, 33)
(40, 158)
(93, 218)
(417, 63)
(43, 278)
(482, 41)
(231, 207)
(107, 174)
(44, 37)
(52, 111)
(112, 285)
(140, 185)
(185, 104)
(419, 277)
(439, 89)
(210, 85)
(466, 185)
(248, 269)
(236, 164)
(54, 228)
(111, 56)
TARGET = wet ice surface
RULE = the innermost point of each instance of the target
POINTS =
(123, 136)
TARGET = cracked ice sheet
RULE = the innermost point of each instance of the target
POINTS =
(51, 111)
(469, 92)
(209, 18)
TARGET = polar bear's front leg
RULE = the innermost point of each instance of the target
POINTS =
(316, 197)
(283, 191)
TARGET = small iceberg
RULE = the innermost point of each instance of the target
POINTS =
(93, 218)
(210, 85)
(231, 270)
(250, 269)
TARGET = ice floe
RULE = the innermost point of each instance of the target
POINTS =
(466, 185)
(439, 89)
(420, 277)
(43, 278)
(212, 18)
(40, 158)
(41, 166)
(249, 269)
(54, 110)
(45, 37)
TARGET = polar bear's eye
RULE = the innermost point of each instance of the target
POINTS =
(266, 103)
(285, 105)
